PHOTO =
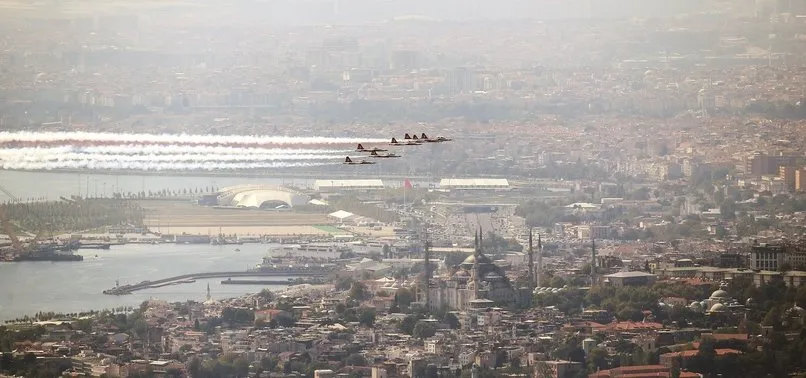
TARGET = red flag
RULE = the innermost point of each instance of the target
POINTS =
(407, 184)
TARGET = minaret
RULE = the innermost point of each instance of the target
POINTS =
(209, 297)
(539, 259)
(593, 262)
(427, 282)
(531, 262)
(475, 274)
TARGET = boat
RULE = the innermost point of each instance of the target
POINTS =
(48, 255)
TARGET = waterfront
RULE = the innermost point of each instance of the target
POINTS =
(29, 287)
(52, 185)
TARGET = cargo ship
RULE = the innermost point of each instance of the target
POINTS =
(48, 256)
(47, 253)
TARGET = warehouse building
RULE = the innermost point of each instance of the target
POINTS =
(477, 184)
(342, 185)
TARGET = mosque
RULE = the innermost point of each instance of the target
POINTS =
(475, 283)
(719, 302)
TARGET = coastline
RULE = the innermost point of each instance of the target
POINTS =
(292, 291)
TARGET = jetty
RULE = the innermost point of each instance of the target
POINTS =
(188, 278)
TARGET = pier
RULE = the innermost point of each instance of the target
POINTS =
(189, 278)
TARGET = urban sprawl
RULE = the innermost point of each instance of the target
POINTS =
(623, 194)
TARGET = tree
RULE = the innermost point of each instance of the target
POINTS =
(358, 291)
(452, 321)
(557, 282)
(366, 316)
(597, 359)
(404, 297)
(344, 283)
(355, 360)
(241, 367)
(408, 323)
(234, 315)
(283, 320)
(424, 330)
(194, 367)
(266, 296)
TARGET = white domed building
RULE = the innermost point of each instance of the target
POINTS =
(261, 197)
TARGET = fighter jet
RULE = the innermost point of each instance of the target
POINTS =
(407, 143)
(361, 148)
(411, 137)
(349, 161)
(389, 155)
(438, 139)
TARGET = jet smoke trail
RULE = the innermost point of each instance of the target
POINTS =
(31, 155)
(51, 138)
(152, 166)
(148, 149)
(105, 151)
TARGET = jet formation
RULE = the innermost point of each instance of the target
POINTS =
(408, 140)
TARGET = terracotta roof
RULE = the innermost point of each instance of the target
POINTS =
(634, 326)
(692, 353)
(727, 336)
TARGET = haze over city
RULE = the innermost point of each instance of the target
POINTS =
(389, 188)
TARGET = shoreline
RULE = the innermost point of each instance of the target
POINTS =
(293, 290)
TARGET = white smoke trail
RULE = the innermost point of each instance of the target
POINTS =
(102, 151)
(153, 166)
(186, 139)
(149, 149)
(32, 155)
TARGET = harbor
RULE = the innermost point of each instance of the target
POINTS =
(289, 282)
(190, 278)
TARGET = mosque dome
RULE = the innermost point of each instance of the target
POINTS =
(717, 308)
(493, 276)
(470, 260)
(796, 311)
(695, 306)
(720, 294)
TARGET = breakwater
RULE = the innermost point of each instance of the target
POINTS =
(186, 278)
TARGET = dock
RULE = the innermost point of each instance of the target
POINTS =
(188, 278)
(230, 281)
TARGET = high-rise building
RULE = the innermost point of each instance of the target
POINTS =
(460, 80)
(787, 173)
(761, 164)
(800, 180)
